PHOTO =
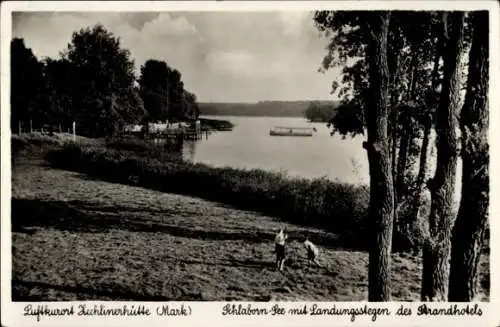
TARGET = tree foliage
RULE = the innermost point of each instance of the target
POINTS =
(412, 35)
(153, 88)
(57, 92)
(26, 81)
(413, 41)
(93, 83)
(425, 79)
(163, 92)
(103, 82)
(192, 110)
(346, 49)
(318, 112)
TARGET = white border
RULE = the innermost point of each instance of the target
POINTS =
(210, 312)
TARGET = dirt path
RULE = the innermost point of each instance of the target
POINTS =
(80, 239)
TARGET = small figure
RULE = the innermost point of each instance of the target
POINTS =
(280, 239)
(312, 252)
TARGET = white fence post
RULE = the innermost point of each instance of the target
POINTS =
(74, 131)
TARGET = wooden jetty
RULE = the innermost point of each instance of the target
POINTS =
(169, 132)
(191, 135)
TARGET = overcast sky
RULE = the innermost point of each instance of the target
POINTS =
(223, 56)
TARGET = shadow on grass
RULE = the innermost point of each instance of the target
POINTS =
(72, 216)
(23, 291)
(233, 263)
(90, 177)
(106, 208)
(344, 241)
(80, 216)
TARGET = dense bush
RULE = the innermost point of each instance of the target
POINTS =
(331, 205)
(40, 143)
(410, 234)
(134, 146)
(35, 141)
(129, 144)
(18, 144)
(216, 124)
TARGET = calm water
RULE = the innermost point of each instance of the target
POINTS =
(250, 146)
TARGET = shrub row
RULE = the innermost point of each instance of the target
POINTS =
(37, 143)
(216, 124)
(335, 206)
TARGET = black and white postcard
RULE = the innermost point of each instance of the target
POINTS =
(244, 163)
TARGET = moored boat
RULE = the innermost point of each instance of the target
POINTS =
(291, 131)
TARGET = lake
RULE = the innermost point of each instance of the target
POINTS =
(250, 146)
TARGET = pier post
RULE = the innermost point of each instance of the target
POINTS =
(198, 130)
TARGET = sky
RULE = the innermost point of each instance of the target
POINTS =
(223, 56)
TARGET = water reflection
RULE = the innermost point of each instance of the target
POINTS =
(249, 145)
(189, 150)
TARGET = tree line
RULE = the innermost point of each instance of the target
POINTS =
(320, 112)
(406, 81)
(262, 108)
(93, 83)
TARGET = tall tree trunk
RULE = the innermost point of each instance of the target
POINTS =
(395, 47)
(428, 119)
(404, 145)
(377, 146)
(470, 226)
(395, 71)
(422, 169)
(394, 152)
(437, 247)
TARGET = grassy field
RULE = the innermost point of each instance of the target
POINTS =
(76, 238)
(334, 206)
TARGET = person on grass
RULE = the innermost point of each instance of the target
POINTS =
(312, 252)
(279, 241)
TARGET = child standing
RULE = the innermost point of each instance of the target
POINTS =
(279, 241)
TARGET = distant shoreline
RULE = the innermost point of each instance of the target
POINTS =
(260, 109)
(225, 117)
